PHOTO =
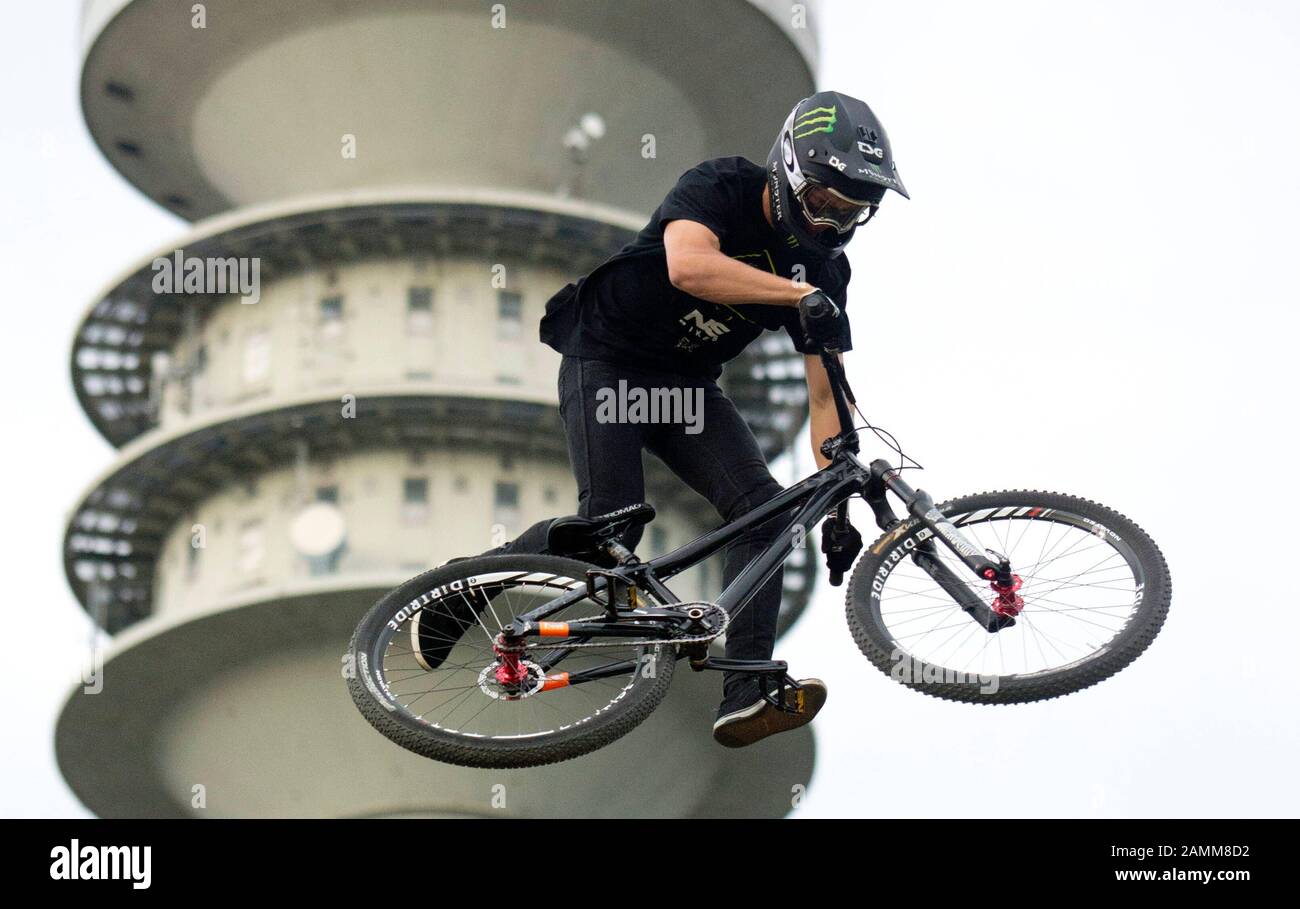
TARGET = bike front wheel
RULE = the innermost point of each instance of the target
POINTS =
(425, 670)
(1095, 592)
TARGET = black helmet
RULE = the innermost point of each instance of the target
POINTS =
(830, 165)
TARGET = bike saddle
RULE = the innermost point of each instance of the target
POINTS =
(576, 535)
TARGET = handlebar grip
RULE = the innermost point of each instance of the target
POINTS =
(818, 317)
(816, 306)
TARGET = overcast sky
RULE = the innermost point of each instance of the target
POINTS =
(1100, 243)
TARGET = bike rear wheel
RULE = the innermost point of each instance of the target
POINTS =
(1095, 592)
(452, 707)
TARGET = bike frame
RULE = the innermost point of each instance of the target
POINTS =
(812, 499)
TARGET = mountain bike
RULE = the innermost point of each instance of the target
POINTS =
(997, 598)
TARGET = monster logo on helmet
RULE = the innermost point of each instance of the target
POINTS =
(828, 171)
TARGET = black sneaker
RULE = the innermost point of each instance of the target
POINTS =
(746, 717)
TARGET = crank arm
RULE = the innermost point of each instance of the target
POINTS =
(757, 667)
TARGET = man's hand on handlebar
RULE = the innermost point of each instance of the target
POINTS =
(819, 317)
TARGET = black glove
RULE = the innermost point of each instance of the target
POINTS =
(841, 548)
(819, 317)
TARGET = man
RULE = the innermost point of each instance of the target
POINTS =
(729, 254)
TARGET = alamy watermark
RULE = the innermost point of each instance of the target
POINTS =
(76, 862)
(910, 670)
(633, 404)
(182, 274)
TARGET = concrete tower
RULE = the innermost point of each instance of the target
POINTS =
(414, 179)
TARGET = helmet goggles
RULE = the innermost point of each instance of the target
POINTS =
(822, 205)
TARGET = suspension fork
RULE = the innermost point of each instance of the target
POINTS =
(921, 506)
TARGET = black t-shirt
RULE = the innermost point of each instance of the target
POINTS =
(627, 310)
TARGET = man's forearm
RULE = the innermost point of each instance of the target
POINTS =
(824, 422)
(718, 278)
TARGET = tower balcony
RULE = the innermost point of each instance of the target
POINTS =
(256, 101)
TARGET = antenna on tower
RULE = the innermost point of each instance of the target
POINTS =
(578, 140)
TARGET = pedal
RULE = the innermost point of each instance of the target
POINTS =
(621, 595)
(761, 668)
(697, 653)
(779, 700)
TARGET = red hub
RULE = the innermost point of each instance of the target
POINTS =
(1007, 602)
(510, 671)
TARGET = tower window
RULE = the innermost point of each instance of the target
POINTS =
(415, 500)
(419, 310)
(331, 308)
(510, 314)
(331, 315)
(505, 505)
(257, 356)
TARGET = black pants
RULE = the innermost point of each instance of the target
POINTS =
(721, 462)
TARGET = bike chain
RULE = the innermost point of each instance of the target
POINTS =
(691, 639)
